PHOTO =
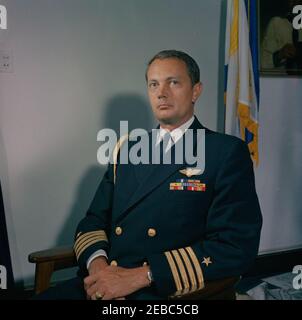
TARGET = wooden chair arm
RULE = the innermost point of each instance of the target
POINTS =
(48, 261)
(54, 254)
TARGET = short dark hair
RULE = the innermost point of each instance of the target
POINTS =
(191, 64)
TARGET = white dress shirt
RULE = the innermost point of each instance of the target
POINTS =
(175, 134)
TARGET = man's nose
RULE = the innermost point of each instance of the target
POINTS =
(162, 91)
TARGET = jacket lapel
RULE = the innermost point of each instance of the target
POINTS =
(154, 175)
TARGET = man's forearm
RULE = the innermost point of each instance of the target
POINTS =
(97, 264)
(141, 279)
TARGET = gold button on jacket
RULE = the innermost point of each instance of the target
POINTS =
(151, 232)
(118, 231)
(113, 263)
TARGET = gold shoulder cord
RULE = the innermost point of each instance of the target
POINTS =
(115, 153)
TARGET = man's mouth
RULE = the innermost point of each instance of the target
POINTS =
(164, 106)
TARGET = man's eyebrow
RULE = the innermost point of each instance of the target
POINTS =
(167, 79)
(174, 77)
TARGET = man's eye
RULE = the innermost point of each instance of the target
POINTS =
(174, 82)
(152, 85)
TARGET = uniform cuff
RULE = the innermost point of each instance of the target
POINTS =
(176, 272)
(87, 244)
(98, 253)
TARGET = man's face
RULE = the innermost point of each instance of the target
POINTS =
(171, 92)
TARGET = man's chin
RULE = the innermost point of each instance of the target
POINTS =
(167, 120)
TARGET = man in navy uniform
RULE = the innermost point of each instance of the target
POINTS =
(159, 231)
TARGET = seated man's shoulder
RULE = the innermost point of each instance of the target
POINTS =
(223, 140)
(220, 146)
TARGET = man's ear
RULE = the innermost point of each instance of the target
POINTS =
(197, 90)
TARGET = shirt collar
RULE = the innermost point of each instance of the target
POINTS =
(177, 133)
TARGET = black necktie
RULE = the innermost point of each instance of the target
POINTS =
(163, 145)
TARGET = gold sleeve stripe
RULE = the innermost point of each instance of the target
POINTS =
(88, 235)
(174, 271)
(189, 269)
(197, 267)
(78, 244)
(182, 271)
(86, 246)
(88, 240)
(91, 232)
(115, 153)
(78, 234)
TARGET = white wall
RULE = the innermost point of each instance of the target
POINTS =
(279, 176)
(78, 66)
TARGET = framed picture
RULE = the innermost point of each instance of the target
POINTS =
(280, 45)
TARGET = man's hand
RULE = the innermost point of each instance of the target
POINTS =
(96, 266)
(116, 282)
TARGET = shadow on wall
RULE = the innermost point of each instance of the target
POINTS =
(128, 107)
(82, 198)
(123, 107)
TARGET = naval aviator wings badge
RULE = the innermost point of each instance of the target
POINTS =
(189, 172)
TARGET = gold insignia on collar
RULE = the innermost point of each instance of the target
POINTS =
(189, 172)
(207, 261)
